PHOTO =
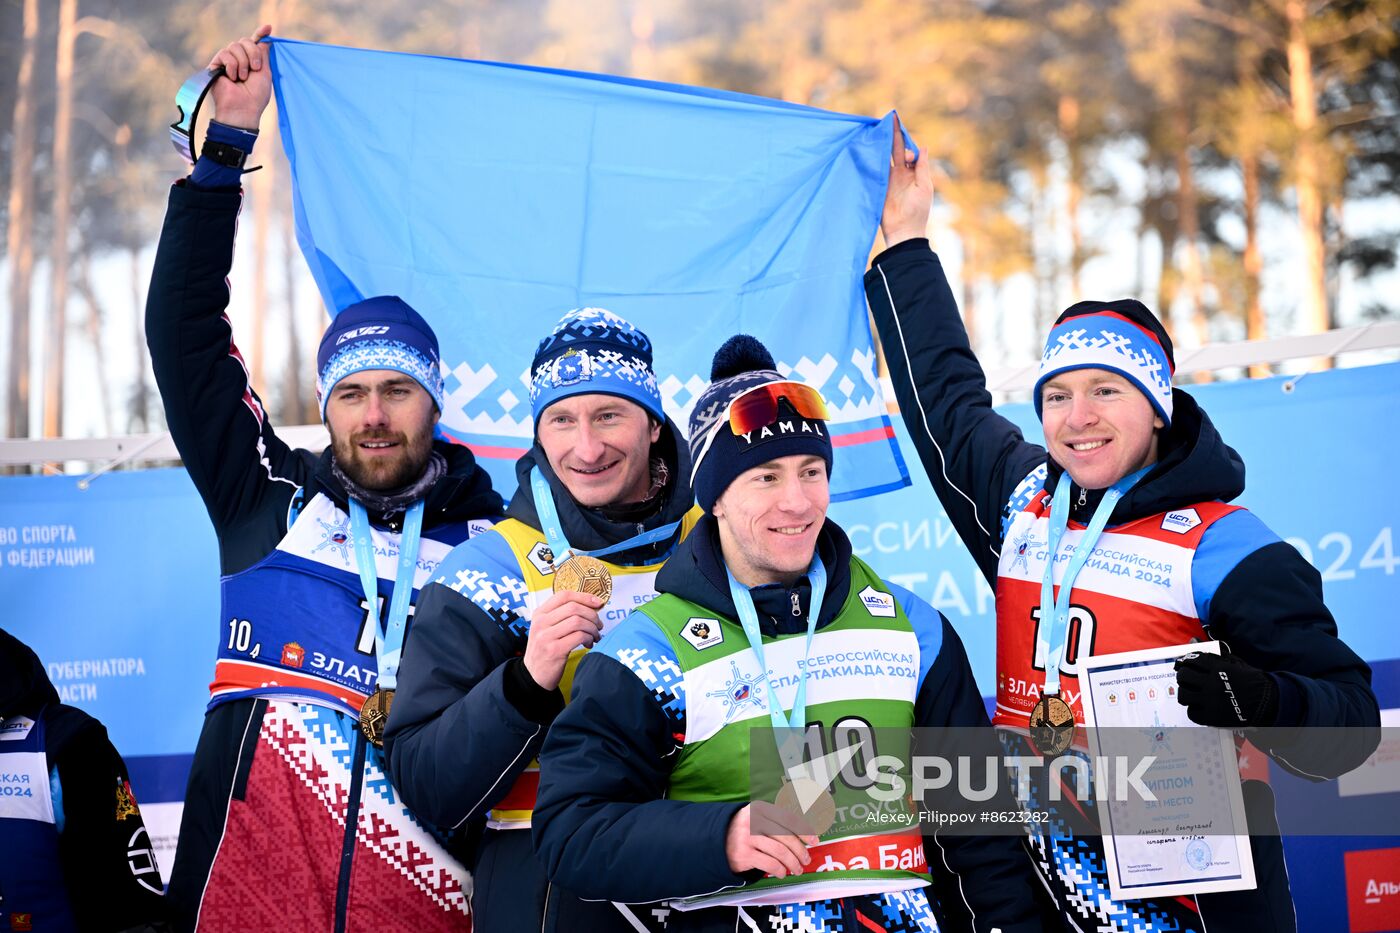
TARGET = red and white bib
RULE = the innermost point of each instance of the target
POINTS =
(1134, 592)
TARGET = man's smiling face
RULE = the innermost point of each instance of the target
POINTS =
(1098, 426)
(600, 447)
(381, 426)
(769, 519)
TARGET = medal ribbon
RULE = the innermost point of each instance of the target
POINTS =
(790, 743)
(388, 645)
(554, 530)
(1050, 641)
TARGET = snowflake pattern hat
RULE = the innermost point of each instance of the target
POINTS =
(1120, 336)
(594, 351)
(378, 333)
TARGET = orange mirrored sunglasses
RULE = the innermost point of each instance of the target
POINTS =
(758, 407)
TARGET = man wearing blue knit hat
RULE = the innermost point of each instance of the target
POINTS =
(1134, 471)
(321, 557)
(648, 792)
(604, 499)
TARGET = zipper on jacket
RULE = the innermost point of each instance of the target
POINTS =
(352, 822)
(1083, 497)
(796, 603)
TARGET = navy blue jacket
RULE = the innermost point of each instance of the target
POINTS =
(107, 871)
(250, 480)
(1267, 601)
(1257, 592)
(603, 826)
(468, 718)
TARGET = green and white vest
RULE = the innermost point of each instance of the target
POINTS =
(863, 675)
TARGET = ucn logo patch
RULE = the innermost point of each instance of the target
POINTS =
(702, 633)
(880, 605)
(15, 728)
(1180, 521)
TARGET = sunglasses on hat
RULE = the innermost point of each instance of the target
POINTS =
(756, 408)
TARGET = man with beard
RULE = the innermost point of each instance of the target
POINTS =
(1132, 468)
(603, 501)
(290, 821)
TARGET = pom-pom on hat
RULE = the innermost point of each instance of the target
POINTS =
(1121, 336)
(592, 350)
(718, 455)
(378, 333)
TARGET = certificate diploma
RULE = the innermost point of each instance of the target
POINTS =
(1192, 839)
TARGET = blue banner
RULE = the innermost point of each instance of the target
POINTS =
(493, 198)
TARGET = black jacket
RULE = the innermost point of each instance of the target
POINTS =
(1266, 605)
(110, 888)
(252, 483)
(1268, 608)
(468, 719)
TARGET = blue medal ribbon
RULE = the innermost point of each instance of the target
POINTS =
(789, 742)
(1050, 642)
(388, 644)
(554, 530)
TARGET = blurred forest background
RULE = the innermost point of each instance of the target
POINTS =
(1235, 163)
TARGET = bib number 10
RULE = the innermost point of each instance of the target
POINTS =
(1079, 640)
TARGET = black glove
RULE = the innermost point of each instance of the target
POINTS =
(1222, 690)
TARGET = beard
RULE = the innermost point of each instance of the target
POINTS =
(383, 473)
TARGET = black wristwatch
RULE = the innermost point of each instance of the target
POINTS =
(224, 154)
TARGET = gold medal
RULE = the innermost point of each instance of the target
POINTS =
(375, 714)
(820, 813)
(1052, 725)
(583, 574)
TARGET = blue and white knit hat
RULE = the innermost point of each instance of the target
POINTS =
(378, 333)
(1120, 336)
(594, 351)
(717, 456)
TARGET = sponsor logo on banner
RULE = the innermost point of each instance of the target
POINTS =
(880, 605)
(1181, 521)
(21, 921)
(1373, 890)
(542, 557)
(703, 633)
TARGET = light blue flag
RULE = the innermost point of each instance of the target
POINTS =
(494, 198)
